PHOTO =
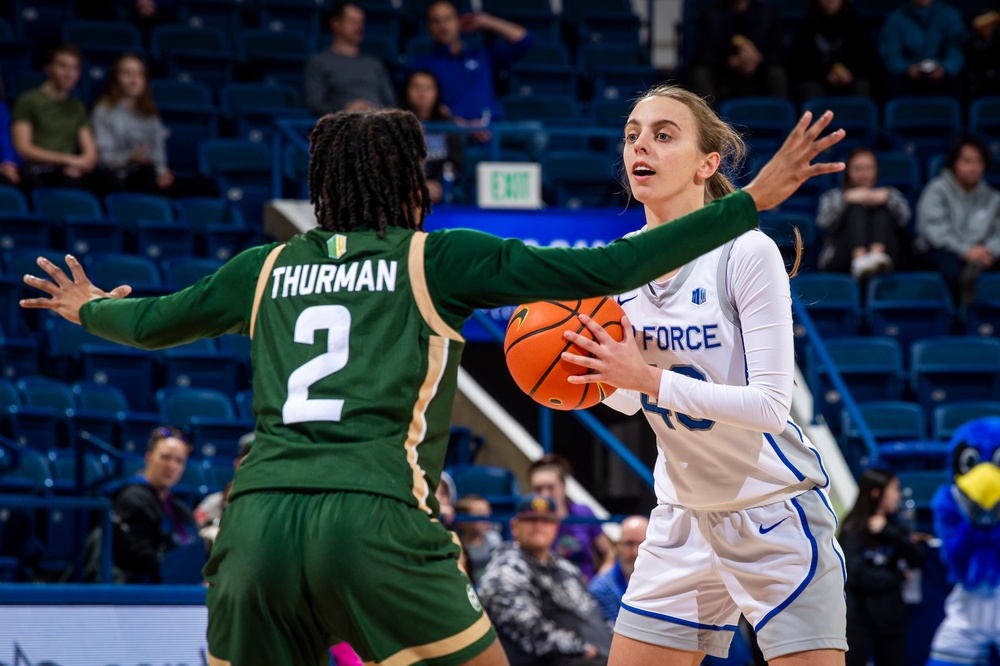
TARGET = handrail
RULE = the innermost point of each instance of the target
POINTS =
(802, 314)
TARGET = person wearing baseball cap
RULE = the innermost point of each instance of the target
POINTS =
(538, 601)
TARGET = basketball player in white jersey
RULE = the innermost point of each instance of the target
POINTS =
(743, 523)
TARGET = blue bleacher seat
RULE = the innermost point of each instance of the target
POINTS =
(223, 15)
(193, 53)
(918, 454)
(15, 54)
(218, 225)
(576, 179)
(194, 483)
(767, 120)
(11, 288)
(19, 227)
(833, 302)
(949, 369)
(920, 485)
(208, 415)
(80, 213)
(55, 396)
(18, 354)
(296, 171)
(946, 419)
(134, 427)
(872, 367)
(496, 484)
(150, 218)
(111, 270)
(252, 108)
(277, 57)
(858, 116)
(219, 472)
(982, 314)
(185, 271)
(56, 203)
(105, 39)
(244, 404)
(889, 420)
(302, 17)
(781, 227)
(922, 126)
(33, 427)
(610, 112)
(41, 21)
(242, 171)
(31, 474)
(188, 110)
(63, 466)
(545, 70)
(200, 364)
(984, 119)
(909, 306)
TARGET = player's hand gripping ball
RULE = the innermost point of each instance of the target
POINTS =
(534, 343)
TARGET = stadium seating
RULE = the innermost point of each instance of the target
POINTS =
(19, 227)
(982, 314)
(922, 126)
(150, 218)
(185, 271)
(950, 369)
(497, 484)
(220, 231)
(858, 116)
(872, 368)
(241, 169)
(30, 475)
(209, 417)
(949, 417)
(766, 121)
(984, 119)
(193, 53)
(133, 427)
(908, 306)
(200, 364)
(833, 302)
(111, 270)
(32, 427)
(579, 179)
(277, 57)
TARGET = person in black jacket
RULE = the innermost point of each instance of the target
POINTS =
(148, 519)
(879, 554)
(832, 53)
(738, 51)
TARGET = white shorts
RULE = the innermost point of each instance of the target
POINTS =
(971, 625)
(779, 565)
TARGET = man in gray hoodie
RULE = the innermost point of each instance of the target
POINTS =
(958, 219)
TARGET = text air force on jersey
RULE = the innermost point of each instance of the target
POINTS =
(306, 279)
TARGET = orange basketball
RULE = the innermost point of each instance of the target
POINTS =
(534, 343)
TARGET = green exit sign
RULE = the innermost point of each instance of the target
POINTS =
(509, 185)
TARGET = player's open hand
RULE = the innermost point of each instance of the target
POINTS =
(68, 295)
(611, 362)
(792, 164)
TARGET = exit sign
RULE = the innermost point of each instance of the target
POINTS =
(509, 185)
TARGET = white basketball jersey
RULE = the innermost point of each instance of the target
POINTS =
(715, 450)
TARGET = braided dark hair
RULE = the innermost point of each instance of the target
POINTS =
(367, 171)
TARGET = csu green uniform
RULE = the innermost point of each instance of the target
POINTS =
(331, 533)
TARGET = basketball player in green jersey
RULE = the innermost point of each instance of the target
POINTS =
(331, 533)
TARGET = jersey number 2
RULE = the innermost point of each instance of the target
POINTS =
(336, 321)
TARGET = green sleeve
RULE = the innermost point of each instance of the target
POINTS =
(468, 269)
(217, 304)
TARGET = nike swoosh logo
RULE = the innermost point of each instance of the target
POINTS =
(765, 530)
(623, 302)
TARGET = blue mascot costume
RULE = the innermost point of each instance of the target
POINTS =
(967, 519)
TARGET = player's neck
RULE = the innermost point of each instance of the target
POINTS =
(666, 210)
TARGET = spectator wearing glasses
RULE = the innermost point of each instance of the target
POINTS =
(583, 544)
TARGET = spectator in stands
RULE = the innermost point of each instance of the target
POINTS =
(422, 96)
(131, 138)
(465, 72)
(739, 50)
(832, 54)
(983, 53)
(342, 78)
(446, 494)
(878, 554)
(50, 129)
(921, 46)
(609, 586)
(583, 544)
(958, 219)
(865, 225)
(209, 512)
(149, 521)
(9, 161)
(480, 540)
(538, 601)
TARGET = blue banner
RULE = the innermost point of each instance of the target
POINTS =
(546, 228)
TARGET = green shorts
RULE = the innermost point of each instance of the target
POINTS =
(293, 573)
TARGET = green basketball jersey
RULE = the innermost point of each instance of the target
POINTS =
(356, 340)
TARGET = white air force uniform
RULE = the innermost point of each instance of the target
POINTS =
(743, 523)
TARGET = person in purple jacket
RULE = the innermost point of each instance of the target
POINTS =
(583, 544)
